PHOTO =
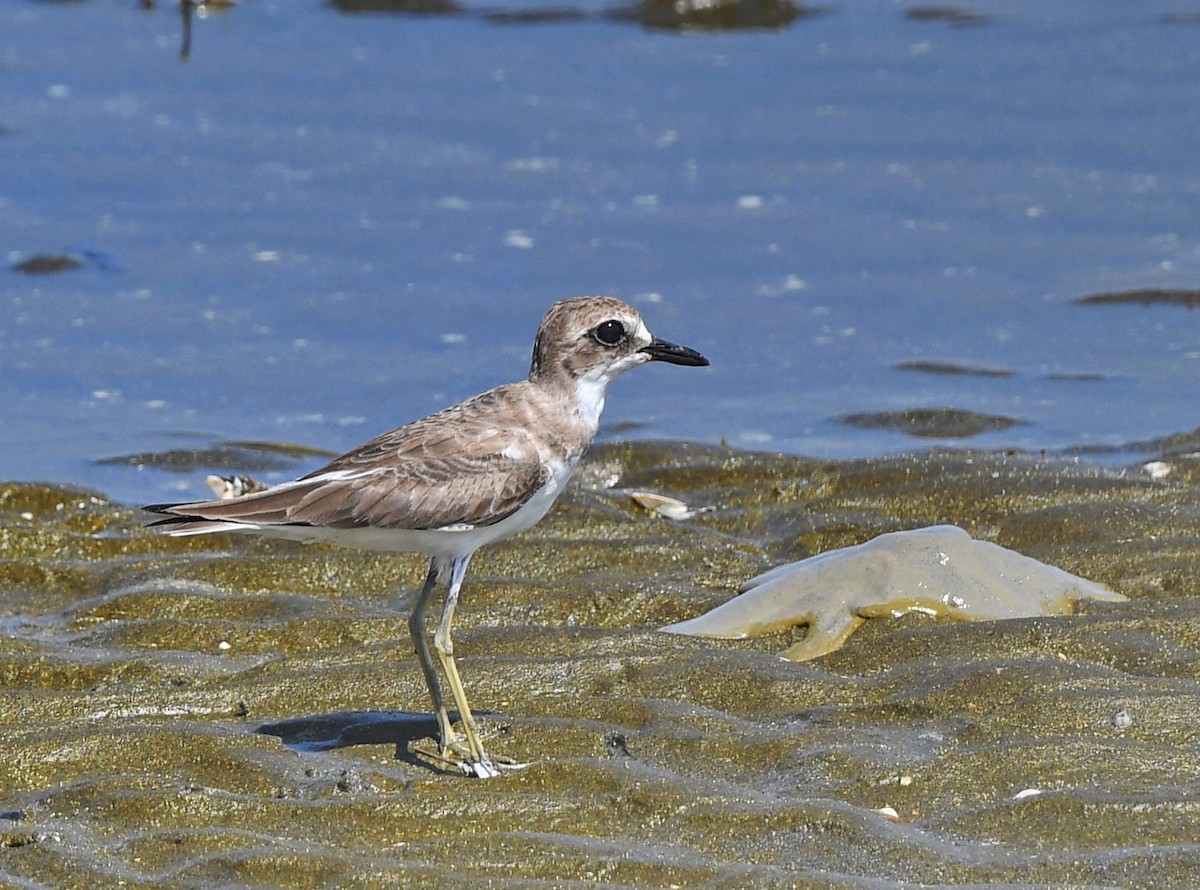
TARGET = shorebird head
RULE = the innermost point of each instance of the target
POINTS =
(585, 343)
(593, 340)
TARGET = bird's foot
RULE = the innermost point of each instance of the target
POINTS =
(491, 767)
(457, 758)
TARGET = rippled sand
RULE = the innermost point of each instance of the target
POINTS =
(220, 712)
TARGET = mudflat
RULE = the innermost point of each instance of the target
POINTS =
(220, 711)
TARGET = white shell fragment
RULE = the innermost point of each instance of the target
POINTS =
(661, 505)
(939, 570)
(226, 487)
(1157, 469)
(890, 814)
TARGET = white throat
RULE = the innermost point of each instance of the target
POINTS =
(590, 390)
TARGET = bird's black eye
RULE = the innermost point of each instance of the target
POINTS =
(609, 333)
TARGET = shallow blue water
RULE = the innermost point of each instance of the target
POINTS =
(322, 225)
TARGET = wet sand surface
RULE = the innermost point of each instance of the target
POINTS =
(221, 712)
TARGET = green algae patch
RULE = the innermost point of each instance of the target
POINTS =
(191, 712)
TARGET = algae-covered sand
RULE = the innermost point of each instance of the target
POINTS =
(224, 712)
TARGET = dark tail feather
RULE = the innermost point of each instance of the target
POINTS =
(162, 508)
(170, 520)
(182, 522)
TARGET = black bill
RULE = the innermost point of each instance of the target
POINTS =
(662, 351)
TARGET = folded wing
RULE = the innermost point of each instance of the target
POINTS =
(413, 492)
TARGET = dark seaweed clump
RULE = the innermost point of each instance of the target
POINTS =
(932, 423)
(1145, 297)
(47, 264)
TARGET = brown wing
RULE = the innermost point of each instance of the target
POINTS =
(460, 468)
(412, 493)
(481, 427)
(420, 493)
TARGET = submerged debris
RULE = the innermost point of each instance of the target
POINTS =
(228, 455)
(712, 15)
(46, 264)
(1145, 297)
(932, 423)
(952, 369)
(959, 16)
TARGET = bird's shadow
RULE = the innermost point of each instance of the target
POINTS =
(345, 729)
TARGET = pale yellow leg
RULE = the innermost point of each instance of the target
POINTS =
(443, 645)
(478, 761)
(416, 627)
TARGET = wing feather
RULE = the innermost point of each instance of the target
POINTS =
(473, 464)
(423, 494)
(411, 492)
